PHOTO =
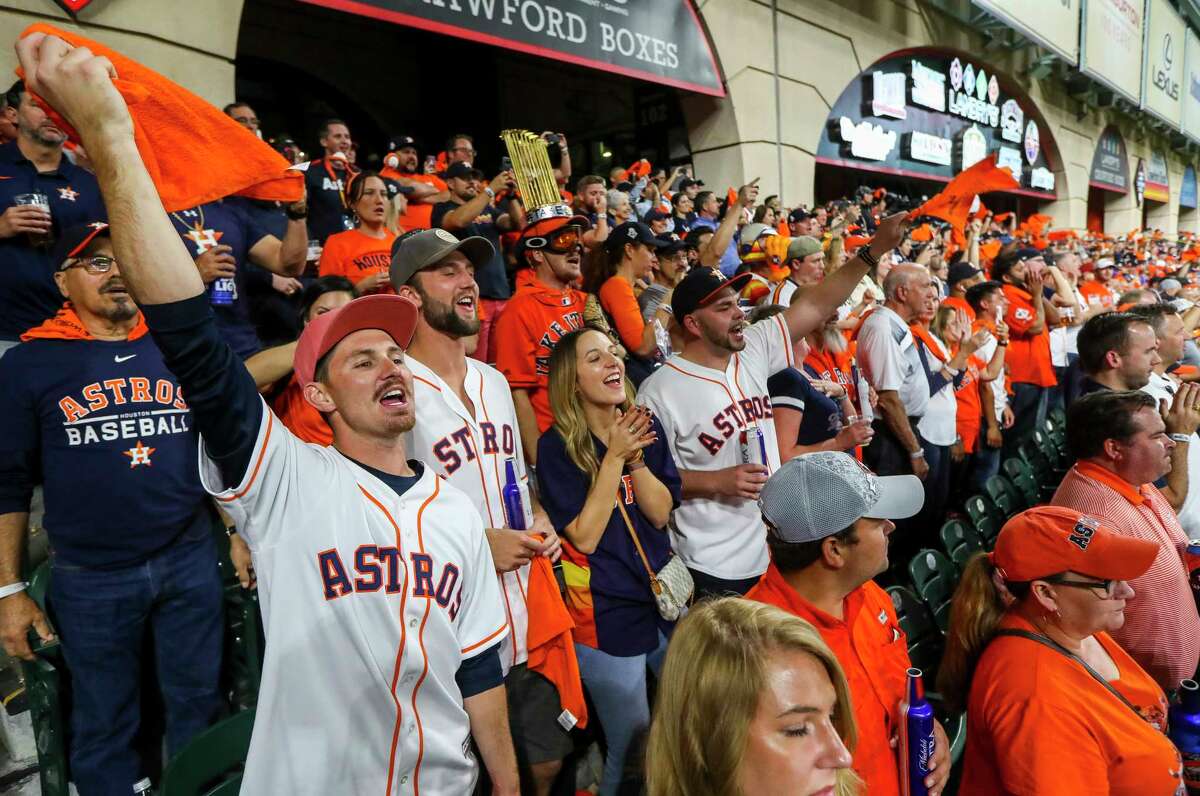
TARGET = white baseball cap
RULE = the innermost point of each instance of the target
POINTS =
(816, 495)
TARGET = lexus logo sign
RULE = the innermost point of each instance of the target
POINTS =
(1168, 55)
(1162, 77)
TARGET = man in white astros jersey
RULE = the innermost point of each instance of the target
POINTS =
(713, 402)
(467, 433)
(382, 612)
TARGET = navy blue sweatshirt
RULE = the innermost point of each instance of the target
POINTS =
(103, 425)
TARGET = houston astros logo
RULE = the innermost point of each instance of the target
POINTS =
(67, 193)
(204, 239)
(139, 454)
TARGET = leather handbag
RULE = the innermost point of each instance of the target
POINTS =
(672, 585)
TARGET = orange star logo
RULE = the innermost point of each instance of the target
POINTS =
(139, 454)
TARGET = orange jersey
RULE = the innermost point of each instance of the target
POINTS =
(1028, 356)
(1041, 724)
(417, 215)
(873, 652)
(526, 332)
(617, 299)
(959, 302)
(969, 416)
(356, 256)
(1097, 295)
(299, 416)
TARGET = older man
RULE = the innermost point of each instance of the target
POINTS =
(1122, 447)
(888, 358)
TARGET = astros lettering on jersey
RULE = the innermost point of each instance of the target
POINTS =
(371, 600)
(469, 451)
(703, 412)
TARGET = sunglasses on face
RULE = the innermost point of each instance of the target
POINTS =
(564, 240)
(93, 265)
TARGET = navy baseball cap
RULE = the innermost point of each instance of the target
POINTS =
(671, 243)
(402, 142)
(701, 286)
(463, 171)
(655, 214)
(800, 214)
(631, 232)
(74, 240)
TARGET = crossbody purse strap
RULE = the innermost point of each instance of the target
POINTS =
(1059, 648)
(655, 586)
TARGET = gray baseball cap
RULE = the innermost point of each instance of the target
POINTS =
(816, 495)
(417, 250)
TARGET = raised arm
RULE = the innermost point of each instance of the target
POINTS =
(819, 301)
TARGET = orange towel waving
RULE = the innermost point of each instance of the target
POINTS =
(551, 649)
(954, 202)
(193, 151)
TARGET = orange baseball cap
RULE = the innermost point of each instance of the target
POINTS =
(395, 315)
(1047, 540)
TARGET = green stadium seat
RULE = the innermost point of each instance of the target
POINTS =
(986, 518)
(1021, 477)
(913, 615)
(955, 534)
(934, 576)
(926, 655)
(212, 762)
(1004, 495)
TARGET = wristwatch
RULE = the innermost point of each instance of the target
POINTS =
(491, 194)
(871, 260)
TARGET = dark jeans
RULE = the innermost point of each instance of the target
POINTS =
(712, 586)
(937, 492)
(1029, 408)
(985, 463)
(102, 617)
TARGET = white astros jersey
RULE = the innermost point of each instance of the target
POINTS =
(703, 412)
(781, 293)
(371, 600)
(469, 452)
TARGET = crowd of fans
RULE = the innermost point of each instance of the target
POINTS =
(789, 401)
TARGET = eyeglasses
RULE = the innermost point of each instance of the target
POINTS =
(248, 120)
(466, 149)
(1109, 586)
(94, 265)
(564, 240)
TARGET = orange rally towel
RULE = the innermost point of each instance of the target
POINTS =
(954, 202)
(65, 325)
(551, 648)
(193, 151)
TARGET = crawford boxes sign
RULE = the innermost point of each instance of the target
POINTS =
(657, 40)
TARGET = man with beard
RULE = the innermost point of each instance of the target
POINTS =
(592, 196)
(34, 164)
(402, 166)
(473, 211)
(380, 604)
(325, 182)
(713, 402)
(89, 409)
(546, 306)
(466, 421)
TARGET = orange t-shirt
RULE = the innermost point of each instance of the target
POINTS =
(418, 214)
(969, 416)
(617, 299)
(299, 416)
(1028, 356)
(1097, 295)
(873, 652)
(534, 320)
(1040, 724)
(356, 256)
(960, 303)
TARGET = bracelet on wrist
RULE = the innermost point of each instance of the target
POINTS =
(636, 465)
(917, 455)
(1182, 438)
(13, 588)
(296, 215)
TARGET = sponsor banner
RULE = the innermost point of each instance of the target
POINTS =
(657, 40)
(1112, 35)
(930, 114)
(1110, 163)
(1163, 73)
(1054, 24)
(1157, 187)
(1187, 189)
(1191, 87)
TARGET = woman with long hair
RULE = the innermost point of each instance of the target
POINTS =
(628, 259)
(1054, 705)
(363, 254)
(751, 702)
(608, 483)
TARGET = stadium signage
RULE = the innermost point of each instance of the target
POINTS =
(660, 41)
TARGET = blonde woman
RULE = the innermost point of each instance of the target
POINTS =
(605, 460)
(751, 702)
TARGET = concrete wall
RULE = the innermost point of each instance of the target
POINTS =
(823, 45)
(193, 42)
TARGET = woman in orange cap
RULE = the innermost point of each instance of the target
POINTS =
(1054, 705)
